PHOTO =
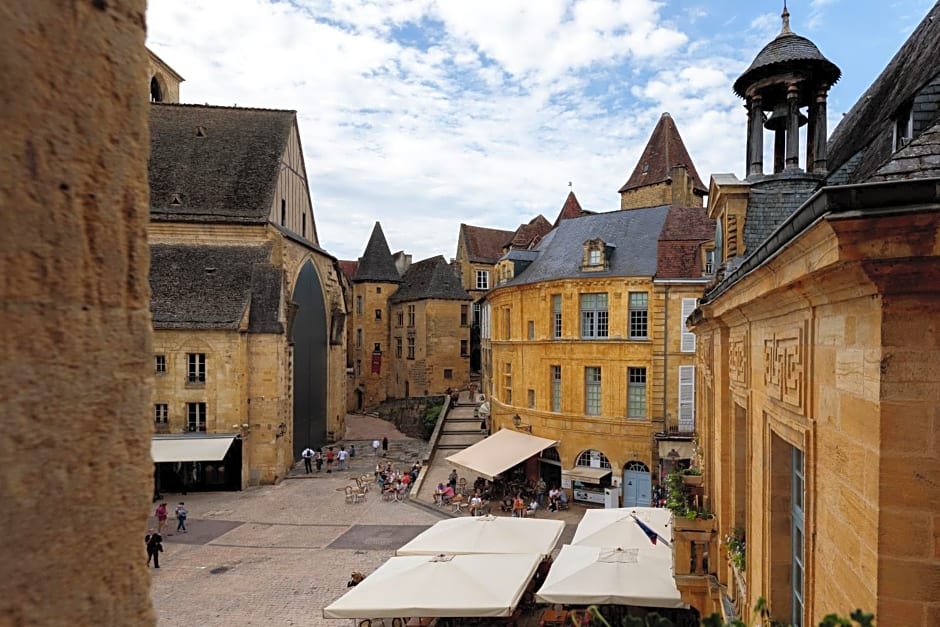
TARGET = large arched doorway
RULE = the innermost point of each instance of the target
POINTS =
(309, 336)
(637, 485)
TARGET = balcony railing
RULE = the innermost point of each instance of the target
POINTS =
(737, 593)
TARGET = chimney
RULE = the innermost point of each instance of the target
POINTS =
(681, 187)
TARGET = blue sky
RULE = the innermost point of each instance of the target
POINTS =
(423, 114)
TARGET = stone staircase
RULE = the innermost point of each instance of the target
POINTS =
(460, 429)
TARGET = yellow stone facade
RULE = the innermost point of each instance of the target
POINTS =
(830, 348)
(438, 357)
(369, 327)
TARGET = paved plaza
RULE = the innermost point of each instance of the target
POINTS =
(276, 555)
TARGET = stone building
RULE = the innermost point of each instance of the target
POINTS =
(583, 335)
(410, 326)
(817, 379)
(163, 80)
(248, 310)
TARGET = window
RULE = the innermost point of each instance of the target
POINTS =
(411, 348)
(556, 388)
(283, 212)
(592, 391)
(710, 261)
(464, 315)
(378, 290)
(196, 369)
(399, 318)
(161, 412)
(303, 224)
(903, 127)
(797, 535)
(639, 315)
(636, 392)
(358, 339)
(507, 382)
(687, 398)
(398, 347)
(594, 257)
(359, 305)
(378, 314)
(448, 373)
(377, 347)
(483, 279)
(507, 323)
(160, 364)
(411, 316)
(531, 329)
(593, 459)
(556, 315)
(464, 348)
(196, 416)
(687, 337)
(531, 398)
(593, 315)
(477, 313)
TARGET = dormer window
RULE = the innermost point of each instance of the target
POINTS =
(903, 127)
(708, 266)
(596, 256)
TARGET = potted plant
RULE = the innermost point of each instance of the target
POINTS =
(737, 548)
(692, 476)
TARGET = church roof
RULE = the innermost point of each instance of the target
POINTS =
(664, 150)
(484, 245)
(376, 264)
(528, 235)
(212, 164)
(430, 278)
(787, 50)
(678, 253)
(571, 209)
(210, 287)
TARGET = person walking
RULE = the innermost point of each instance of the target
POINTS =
(342, 457)
(181, 514)
(154, 542)
(384, 446)
(307, 454)
(375, 447)
(540, 490)
(330, 455)
(161, 515)
(318, 459)
(452, 479)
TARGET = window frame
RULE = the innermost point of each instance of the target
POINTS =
(556, 316)
(196, 368)
(482, 279)
(556, 387)
(635, 409)
(411, 348)
(593, 396)
(200, 410)
(638, 316)
(159, 364)
(161, 413)
(411, 316)
(595, 319)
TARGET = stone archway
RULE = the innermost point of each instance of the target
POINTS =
(310, 336)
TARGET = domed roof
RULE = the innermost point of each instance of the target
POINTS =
(787, 51)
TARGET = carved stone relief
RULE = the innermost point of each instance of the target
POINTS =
(737, 358)
(784, 366)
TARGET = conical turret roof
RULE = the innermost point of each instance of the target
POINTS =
(571, 209)
(376, 263)
(664, 151)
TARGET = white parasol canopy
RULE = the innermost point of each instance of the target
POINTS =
(487, 534)
(586, 575)
(445, 585)
(617, 527)
(500, 452)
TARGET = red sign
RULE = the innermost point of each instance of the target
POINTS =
(376, 363)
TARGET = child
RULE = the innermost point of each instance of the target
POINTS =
(181, 515)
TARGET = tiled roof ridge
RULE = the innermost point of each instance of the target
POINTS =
(196, 105)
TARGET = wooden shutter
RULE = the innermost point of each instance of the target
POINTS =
(686, 398)
(688, 338)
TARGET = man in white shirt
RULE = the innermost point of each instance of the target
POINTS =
(307, 454)
(375, 447)
(342, 457)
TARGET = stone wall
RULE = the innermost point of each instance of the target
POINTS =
(76, 367)
(407, 414)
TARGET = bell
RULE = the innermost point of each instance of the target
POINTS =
(778, 118)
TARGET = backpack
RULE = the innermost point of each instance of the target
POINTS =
(181, 512)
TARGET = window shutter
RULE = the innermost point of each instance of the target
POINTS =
(686, 398)
(688, 338)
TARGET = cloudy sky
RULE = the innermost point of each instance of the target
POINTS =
(423, 114)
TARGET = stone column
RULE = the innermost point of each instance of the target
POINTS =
(820, 132)
(793, 128)
(76, 363)
(780, 140)
(755, 137)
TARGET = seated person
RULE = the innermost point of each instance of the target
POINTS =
(406, 480)
(518, 507)
(447, 495)
(562, 499)
(476, 504)
(553, 499)
(438, 493)
(355, 579)
(533, 505)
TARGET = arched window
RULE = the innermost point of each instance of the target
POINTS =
(637, 466)
(593, 459)
(551, 453)
(156, 91)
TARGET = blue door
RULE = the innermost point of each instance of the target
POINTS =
(637, 485)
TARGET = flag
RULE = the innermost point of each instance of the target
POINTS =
(650, 533)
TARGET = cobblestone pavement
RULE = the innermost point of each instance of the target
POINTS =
(276, 555)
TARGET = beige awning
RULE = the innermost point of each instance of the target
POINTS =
(680, 449)
(500, 452)
(587, 474)
(190, 448)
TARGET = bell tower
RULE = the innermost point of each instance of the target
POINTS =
(786, 87)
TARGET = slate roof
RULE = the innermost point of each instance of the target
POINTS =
(430, 278)
(664, 150)
(210, 287)
(376, 264)
(484, 245)
(787, 51)
(678, 254)
(919, 159)
(229, 174)
(771, 201)
(864, 134)
(634, 234)
(528, 235)
(571, 209)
